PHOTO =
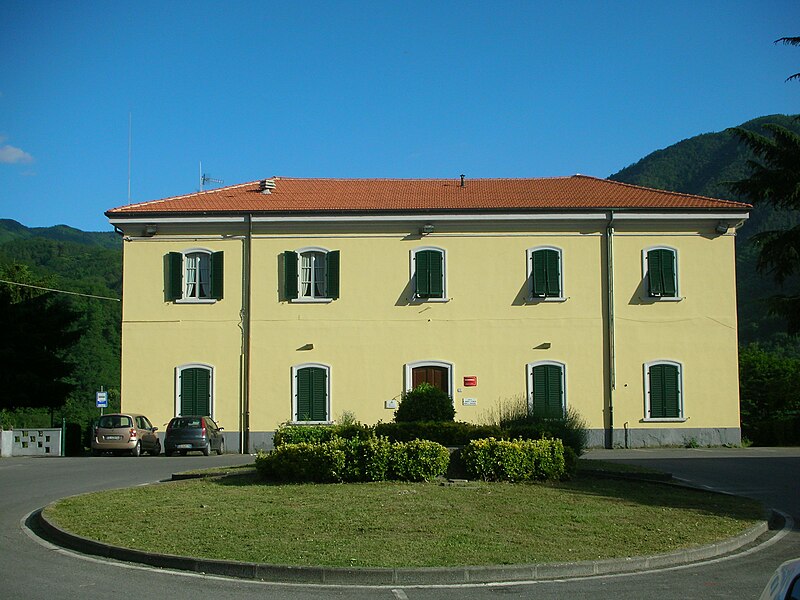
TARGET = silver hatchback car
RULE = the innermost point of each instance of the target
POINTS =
(125, 433)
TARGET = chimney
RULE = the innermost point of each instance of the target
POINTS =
(265, 186)
(462, 181)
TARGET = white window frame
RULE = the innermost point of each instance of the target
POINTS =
(211, 386)
(310, 299)
(529, 382)
(185, 298)
(646, 277)
(681, 404)
(295, 369)
(529, 271)
(413, 274)
(409, 368)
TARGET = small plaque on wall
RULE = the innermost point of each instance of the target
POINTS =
(469, 401)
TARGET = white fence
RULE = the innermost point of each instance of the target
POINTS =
(30, 442)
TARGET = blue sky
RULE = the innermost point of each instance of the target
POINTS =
(364, 89)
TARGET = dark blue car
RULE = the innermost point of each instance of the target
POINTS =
(193, 432)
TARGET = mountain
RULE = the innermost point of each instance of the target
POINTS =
(704, 165)
(10, 230)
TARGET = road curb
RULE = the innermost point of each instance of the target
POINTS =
(399, 576)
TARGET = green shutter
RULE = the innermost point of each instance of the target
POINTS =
(553, 275)
(332, 272)
(548, 391)
(538, 275)
(195, 391)
(661, 273)
(545, 274)
(174, 276)
(290, 275)
(217, 276)
(664, 391)
(312, 394)
(429, 274)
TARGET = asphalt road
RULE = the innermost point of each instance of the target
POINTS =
(33, 569)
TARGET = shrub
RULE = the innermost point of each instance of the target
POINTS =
(418, 460)
(454, 433)
(320, 463)
(425, 403)
(518, 460)
(517, 423)
(316, 434)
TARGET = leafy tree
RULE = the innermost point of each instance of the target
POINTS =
(38, 333)
(775, 180)
(767, 384)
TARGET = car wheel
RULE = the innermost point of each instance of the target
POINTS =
(157, 450)
(207, 449)
(221, 449)
(137, 449)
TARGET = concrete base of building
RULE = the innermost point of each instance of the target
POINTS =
(660, 437)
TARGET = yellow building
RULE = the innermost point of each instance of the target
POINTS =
(299, 300)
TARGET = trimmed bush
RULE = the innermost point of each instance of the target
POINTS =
(517, 460)
(446, 433)
(425, 403)
(352, 460)
(316, 434)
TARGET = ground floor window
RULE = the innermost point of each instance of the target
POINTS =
(437, 373)
(311, 393)
(547, 389)
(194, 387)
(663, 382)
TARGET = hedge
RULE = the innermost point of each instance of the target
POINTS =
(446, 433)
(514, 460)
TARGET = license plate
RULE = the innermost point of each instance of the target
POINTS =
(113, 437)
(184, 446)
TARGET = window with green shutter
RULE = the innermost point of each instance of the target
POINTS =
(311, 394)
(544, 271)
(195, 391)
(547, 397)
(662, 280)
(311, 274)
(194, 275)
(664, 391)
(429, 273)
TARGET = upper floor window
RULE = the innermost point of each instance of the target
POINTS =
(547, 389)
(661, 272)
(195, 275)
(311, 274)
(311, 393)
(545, 273)
(428, 273)
(663, 390)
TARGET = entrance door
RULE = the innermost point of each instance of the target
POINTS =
(436, 376)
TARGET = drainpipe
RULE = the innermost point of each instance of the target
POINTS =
(246, 321)
(612, 370)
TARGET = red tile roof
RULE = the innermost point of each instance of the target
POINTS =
(298, 195)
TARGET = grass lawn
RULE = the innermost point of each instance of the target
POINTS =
(405, 524)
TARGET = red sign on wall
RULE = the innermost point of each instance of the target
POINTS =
(470, 381)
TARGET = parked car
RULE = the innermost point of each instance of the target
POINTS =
(125, 433)
(785, 582)
(194, 432)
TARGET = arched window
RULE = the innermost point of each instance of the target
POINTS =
(428, 273)
(195, 275)
(545, 273)
(663, 380)
(436, 372)
(311, 274)
(195, 390)
(311, 397)
(661, 272)
(547, 389)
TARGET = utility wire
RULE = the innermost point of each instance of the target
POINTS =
(38, 287)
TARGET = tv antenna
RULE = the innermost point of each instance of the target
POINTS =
(204, 179)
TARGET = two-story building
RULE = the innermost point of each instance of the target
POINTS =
(300, 300)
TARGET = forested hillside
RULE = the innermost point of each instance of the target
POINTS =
(705, 164)
(68, 259)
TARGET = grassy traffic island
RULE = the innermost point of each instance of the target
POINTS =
(400, 524)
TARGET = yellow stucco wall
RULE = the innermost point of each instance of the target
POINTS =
(485, 329)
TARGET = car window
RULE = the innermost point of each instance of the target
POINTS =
(185, 423)
(794, 592)
(210, 423)
(146, 423)
(114, 421)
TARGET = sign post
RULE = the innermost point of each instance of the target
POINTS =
(101, 398)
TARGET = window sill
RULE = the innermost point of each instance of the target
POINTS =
(311, 422)
(416, 300)
(311, 300)
(538, 299)
(666, 420)
(662, 299)
(195, 301)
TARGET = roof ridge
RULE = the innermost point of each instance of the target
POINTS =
(670, 192)
(180, 196)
